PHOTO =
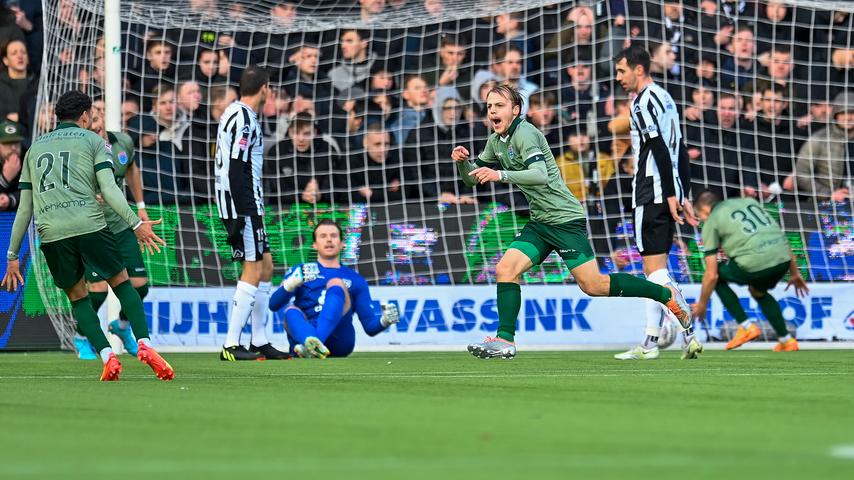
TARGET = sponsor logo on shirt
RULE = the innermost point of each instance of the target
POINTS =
(243, 143)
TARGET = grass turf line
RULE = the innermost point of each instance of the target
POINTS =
(432, 415)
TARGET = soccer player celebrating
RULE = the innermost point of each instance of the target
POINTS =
(121, 147)
(517, 153)
(759, 256)
(62, 173)
(240, 199)
(325, 296)
(658, 189)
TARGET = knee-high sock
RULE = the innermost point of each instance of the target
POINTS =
(509, 304)
(297, 326)
(132, 306)
(142, 290)
(655, 312)
(241, 310)
(774, 314)
(259, 314)
(730, 301)
(89, 324)
(625, 285)
(98, 299)
(332, 312)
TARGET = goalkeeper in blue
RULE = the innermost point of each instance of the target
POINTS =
(320, 299)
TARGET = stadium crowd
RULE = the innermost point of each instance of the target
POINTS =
(371, 115)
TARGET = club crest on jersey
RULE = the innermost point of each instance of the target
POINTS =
(243, 143)
(123, 157)
(510, 152)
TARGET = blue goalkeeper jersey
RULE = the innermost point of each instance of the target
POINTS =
(309, 298)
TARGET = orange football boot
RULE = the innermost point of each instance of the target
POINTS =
(150, 357)
(743, 335)
(790, 345)
(112, 369)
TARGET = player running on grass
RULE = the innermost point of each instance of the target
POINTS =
(325, 295)
(124, 167)
(517, 153)
(759, 256)
(61, 176)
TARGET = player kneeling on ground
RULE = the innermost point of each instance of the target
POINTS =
(325, 295)
(759, 256)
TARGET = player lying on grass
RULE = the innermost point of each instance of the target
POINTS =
(325, 295)
(61, 176)
(759, 257)
(121, 147)
(517, 153)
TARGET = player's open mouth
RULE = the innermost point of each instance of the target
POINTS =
(496, 122)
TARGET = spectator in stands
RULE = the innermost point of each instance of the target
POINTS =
(375, 175)
(15, 79)
(841, 72)
(450, 70)
(679, 30)
(28, 17)
(199, 142)
(439, 177)
(581, 94)
(188, 102)
(739, 67)
(770, 140)
(130, 108)
(578, 162)
(10, 165)
(705, 72)
(666, 71)
(778, 67)
(507, 66)
(820, 167)
(574, 40)
(350, 138)
(154, 156)
(369, 9)
(480, 85)
(775, 26)
(415, 108)
(510, 30)
(163, 112)
(543, 115)
(722, 169)
(284, 13)
(208, 70)
(820, 111)
(299, 169)
(157, 69)
(354, 68)
(301, 80)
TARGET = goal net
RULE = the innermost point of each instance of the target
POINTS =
(368, 98)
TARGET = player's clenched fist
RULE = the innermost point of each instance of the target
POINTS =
(459, 154)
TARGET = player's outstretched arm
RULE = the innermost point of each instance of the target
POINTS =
(13, 276)
(134, 180)
(710, 281)
(372, 321)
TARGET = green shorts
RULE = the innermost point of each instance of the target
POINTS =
(537, 240)
(128, 247)
(763, 280)
(66, 258)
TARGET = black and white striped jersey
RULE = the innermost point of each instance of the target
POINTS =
(654, 116)
(239, 159)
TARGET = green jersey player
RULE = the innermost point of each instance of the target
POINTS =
(759, 257)
(518, 154)
(63, 171)
(124, 167)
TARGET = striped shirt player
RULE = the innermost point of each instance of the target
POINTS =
(657, 168)
(239, 195)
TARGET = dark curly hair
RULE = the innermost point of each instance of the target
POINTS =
(71, 105)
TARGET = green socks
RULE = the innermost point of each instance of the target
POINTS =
(774, 314)
(89, 324)
(509, 304)
(132, 308)
(730, 301)
(625, 285)
(98, 299)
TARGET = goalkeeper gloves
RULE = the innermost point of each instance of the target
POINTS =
(304, 273)
(390, 315)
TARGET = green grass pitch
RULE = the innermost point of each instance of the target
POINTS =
(743, 414)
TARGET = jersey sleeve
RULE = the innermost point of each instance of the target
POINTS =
(242, 133)
(644, 117)
(711, 237)
(363, 305)
(487, 157)
(25, 182)
(102, 156)
(527, 143)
